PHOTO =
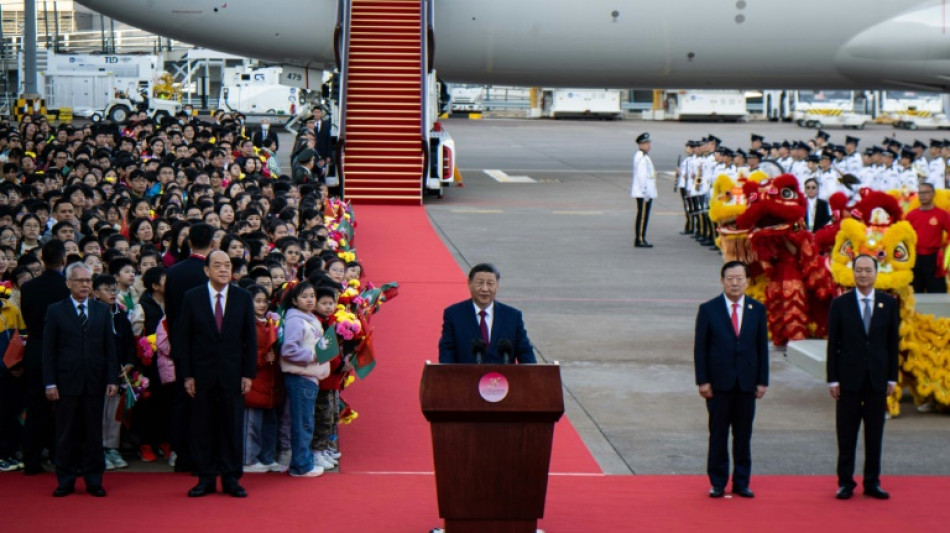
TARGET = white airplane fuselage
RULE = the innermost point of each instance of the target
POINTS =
(839, 44)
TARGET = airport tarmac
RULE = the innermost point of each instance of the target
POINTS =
(549, 203)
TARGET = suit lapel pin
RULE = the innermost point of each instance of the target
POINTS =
(750, 306)
(880, 306)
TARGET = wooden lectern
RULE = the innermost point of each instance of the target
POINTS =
(492, 429)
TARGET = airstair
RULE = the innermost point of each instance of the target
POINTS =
(384, 53)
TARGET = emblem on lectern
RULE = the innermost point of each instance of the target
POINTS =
(493, 387)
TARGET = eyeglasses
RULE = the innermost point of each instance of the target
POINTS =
(81, 280)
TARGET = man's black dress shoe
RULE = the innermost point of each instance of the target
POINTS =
(235, 490)
(63, 490)
(743, 491)
(844, 493)
(717, 492)
(876, 492)
(203, 488)
(97, 491)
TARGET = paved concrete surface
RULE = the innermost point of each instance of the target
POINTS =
(620, 320)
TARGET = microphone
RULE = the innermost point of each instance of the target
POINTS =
(505, 349)
(478, 350)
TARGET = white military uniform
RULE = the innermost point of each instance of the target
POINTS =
(644, 176)
(683, 169)
(907, 179)
(800, 170)
(828, 183)
(786, 163)
(936, 173)
(852, 164)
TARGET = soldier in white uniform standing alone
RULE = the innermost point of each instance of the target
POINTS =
(643, 189)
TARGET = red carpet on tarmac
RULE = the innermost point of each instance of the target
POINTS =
(386, 482)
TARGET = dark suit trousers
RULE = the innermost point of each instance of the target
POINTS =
(925, 276)
(730, 409)
(79, 439)
(12, 402)
(180, 431)
(38, 427)
(643, 219)
(217, 433)
(851, 408)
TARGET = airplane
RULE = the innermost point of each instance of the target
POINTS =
(688, 44)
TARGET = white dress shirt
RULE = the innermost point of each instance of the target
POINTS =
(214, 294)
(739, 309)
(489, 316)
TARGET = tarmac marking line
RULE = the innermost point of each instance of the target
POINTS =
(478, 211)
(502, 177)
(577, 212)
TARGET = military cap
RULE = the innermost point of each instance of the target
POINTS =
(754, 154)
(918, 144)
(643, 137)
(812, 158)
(822, 134)
(936, 143)
(908, 154)
(851, 140)
(757, 137)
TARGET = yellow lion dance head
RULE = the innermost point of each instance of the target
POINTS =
(876, 230)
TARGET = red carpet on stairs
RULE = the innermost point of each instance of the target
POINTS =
(386, 484)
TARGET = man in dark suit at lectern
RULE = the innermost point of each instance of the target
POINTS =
(481, 330)
(731, 354)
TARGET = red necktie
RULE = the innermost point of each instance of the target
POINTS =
(483, 326)
(735, 318)
(219, 312)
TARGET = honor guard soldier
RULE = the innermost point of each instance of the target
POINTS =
(945, 154)
(756, 141)
(866, 174)
(937, 167)
(753, 159)
(643, 189)
(799, 166)
(784, 157)
(837, 161)
(726, 165)
(920, 160)
(828, 177)
(695, 186)
(888, 179)
(821, 140)
(813, 172)
(853, 162)
(709, 163)
(907, 176)
(740, 161)
(682, 181)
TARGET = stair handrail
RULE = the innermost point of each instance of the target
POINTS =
(342, 49)
(430, 34)
(424, 68)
